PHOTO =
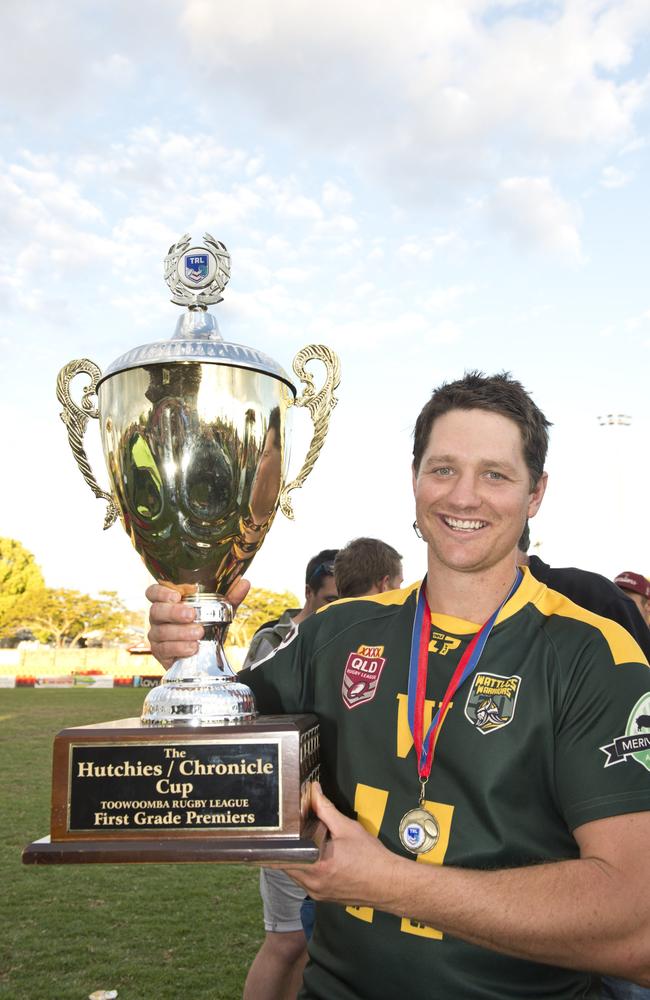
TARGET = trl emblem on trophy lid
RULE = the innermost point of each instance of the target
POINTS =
(196, 267)
(197, 275)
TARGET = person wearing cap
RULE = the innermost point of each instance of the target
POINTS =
(320, 589)
(638, 588)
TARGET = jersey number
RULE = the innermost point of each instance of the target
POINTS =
(370, 807)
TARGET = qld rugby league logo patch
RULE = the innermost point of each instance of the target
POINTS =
(361, 675)
(635, 744)
(491, 701)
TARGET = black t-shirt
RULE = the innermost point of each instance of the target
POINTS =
(595, 593)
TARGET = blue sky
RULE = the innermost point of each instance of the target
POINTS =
(459, 185)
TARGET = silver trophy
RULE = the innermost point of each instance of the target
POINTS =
(195, 436)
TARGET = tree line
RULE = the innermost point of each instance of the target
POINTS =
(61, 617)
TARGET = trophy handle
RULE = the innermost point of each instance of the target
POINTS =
(320, 406)
(76, 421)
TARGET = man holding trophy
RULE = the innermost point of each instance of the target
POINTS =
(488, 785)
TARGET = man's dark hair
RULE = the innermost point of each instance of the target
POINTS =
(497, 394)
(524, 542)
(320, 566)
(362, 564)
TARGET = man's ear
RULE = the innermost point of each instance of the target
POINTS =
(414, 476)
(537, 495)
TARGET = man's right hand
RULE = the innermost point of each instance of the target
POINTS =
(174, 633)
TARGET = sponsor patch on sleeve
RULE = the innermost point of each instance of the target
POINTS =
(635, 743)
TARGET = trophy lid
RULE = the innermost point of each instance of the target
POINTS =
(196, 276)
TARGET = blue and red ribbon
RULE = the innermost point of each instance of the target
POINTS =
(418, 665)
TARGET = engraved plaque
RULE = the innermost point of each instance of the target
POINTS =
(122, 791)
(205, 786)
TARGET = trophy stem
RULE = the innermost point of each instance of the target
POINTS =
(202, 690)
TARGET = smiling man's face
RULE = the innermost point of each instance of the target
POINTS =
(472, 490)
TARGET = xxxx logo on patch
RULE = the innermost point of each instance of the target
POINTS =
(361, 675)
(491, 701)
(635, 744)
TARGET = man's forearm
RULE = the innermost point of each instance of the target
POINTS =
(592, 913)
(571, 913)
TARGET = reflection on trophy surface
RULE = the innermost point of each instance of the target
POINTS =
(195, 434)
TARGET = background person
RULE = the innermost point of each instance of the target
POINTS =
(637, 588)
(598, 594)
(276, 970)
(367, 566)
(320, 589)
(589, 590)
(363, 567)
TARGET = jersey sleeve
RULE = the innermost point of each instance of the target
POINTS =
(255, 650)
(602, 757)
(281, 682)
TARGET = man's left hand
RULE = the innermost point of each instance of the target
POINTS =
(354, 868)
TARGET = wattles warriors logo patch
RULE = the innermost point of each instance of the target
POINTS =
(636, 742)
(361, 675)
(491, 701)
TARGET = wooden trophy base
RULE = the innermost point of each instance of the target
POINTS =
(125, 792)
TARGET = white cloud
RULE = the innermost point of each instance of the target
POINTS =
(613, 177)
(338, 225)
(445, 298)
(56, 58)
(446, 332)
(640, 322)
(432, 104)
(372, 329)
(336, 196)
(535, 216)
(293, 275)
(443, 95)
(44, 191)
(423, 249)
(116, 70)
(297, 206)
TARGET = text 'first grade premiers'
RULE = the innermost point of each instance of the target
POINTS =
(128, 787)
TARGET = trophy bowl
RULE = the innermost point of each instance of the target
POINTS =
(195, 433)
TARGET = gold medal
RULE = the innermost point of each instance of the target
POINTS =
(419, 831)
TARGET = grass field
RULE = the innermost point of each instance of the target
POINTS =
(152, 932)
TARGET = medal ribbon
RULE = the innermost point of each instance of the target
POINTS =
(418, 664)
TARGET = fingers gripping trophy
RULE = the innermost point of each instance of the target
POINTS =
(196, 440)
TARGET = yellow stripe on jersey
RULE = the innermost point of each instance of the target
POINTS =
(457, 626)
(622, 646)
(527, 592)
(388, 598)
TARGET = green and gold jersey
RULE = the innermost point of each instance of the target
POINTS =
(551, 731)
